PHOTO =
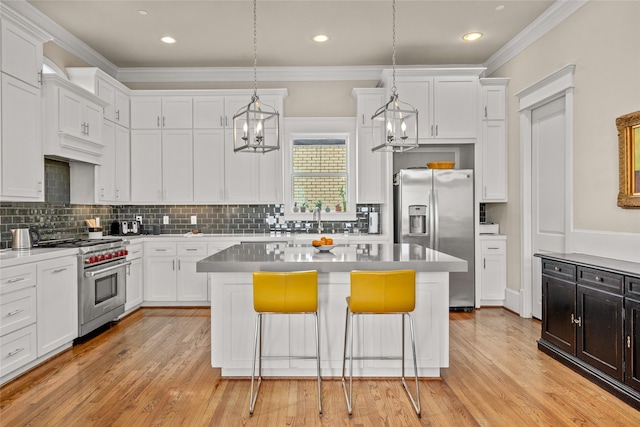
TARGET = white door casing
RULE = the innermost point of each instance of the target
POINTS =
(557, 85)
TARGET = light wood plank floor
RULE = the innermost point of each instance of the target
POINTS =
(153, 368)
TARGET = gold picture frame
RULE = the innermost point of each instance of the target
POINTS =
(629, 159)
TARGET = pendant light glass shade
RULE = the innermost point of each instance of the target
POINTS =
(395, 123)
(395, 126)
(256, 126)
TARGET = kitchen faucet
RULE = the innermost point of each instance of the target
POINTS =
(317, 209)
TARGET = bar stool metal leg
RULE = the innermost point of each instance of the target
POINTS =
(348, 332)
(257, 336)
(415, 401)
(318, 363)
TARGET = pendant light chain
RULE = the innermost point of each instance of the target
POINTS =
(255, 50)
(393, 55)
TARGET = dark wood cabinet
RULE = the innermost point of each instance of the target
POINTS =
(591, 319)
(632, 343)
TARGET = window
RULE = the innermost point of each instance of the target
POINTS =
(319, 166)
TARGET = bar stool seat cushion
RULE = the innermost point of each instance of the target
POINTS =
(382, 291)
(290, 292)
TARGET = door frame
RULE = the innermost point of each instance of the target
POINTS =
(557, 85)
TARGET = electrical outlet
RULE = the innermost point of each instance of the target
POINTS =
(139, 218)
(194, 219)
(165, 219)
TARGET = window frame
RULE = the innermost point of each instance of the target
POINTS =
(305, 128)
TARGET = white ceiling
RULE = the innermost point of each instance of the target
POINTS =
(214, 33)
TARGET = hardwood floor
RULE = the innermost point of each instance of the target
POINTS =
(153, 368)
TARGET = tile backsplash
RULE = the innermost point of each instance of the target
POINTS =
(57, 218)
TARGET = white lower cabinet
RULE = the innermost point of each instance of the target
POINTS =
(134, 294)
(170, 273)
(494, 270)
(57, 303)
(17, 317)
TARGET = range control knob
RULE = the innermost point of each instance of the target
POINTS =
(102, 257)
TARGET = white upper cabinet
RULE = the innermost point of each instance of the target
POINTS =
(208, 165)
(22, 175)
(156, 112)
(105, 87)
(447, 104)
(21, 54)
(371, 166)
(493, 162)
(208, 112)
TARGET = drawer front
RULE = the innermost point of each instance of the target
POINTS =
(559, 269)
(497, 247)
(601, 279)
(17, 310)
(135, 252)
(17, 349)
(160, 249)
(18, 277)
(632, 286)
(192, 249)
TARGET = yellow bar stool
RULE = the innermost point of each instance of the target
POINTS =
(293, 292)
(381, 292)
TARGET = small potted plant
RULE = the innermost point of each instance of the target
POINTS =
(319, 205)
(295, 207)
(344, 200)
(304, 207)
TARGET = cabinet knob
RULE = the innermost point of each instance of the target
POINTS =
(598, 279)
(556, 268)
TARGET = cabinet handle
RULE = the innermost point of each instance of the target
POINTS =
(129, 270)
(40, 77)
(14, 312)
(485, 111)
(431, 130)
(117, 193)
(16, 351)
(19, 279)
(363, 119)
(178, 264)
(220, 121)
(60, 270)
(102, 193)
(493, 248)
(158, 121)
(484, 263)
(598, 279)
(577, 321)
(118, 115)
(628, 341)
(557, 268)
(39, 186)
(226, 120)
(436, 130)
(191, 249)
(173, 264)
(160, 250)
(162, 121)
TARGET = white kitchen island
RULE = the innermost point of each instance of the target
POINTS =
(233, 317)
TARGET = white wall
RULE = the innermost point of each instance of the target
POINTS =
(602, 40)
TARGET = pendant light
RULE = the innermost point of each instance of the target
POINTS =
(395, 123)
(256, 126)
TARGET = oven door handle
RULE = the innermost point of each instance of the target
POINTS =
(104, 270)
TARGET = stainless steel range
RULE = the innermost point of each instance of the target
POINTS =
(102, 276)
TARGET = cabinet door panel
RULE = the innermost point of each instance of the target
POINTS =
(107, 92)
(21, 139)
(21, 54)
(177, 166)
(121, 108)
(192, 286)
(419, 95)
(160, 279)
(106, 170)
(146, 112)
(270, 168)
(600, 341)
(371, 168)
(558, 307)
(123, 165)
(494, 161)
(177, 112)
(632, 329)
(208, 165)
(146, 166)
(208, 112)
(93, 117)
(241, 173)
(70, 120)
(455, 107)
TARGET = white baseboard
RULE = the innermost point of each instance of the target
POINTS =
(622, 246)
(512, 300)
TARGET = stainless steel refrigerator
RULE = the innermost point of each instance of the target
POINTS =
(434, 208)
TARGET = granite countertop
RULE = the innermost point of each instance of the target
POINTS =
(249, 257)
(609, 264)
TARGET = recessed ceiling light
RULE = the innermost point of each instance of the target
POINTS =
(143, 12)
(472, 36)
(320, 38)
(500, 7)
(168, 39)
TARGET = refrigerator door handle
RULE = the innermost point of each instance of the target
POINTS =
(436, 222)
(431, 224)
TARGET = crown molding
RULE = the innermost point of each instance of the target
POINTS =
(7, 12)
(550, 18)
(61, 37)
(245, 74)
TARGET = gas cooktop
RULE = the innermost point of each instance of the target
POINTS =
(76, 243)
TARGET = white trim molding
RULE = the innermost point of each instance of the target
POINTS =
(558, 84)
(550, 18)
(607, 244)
